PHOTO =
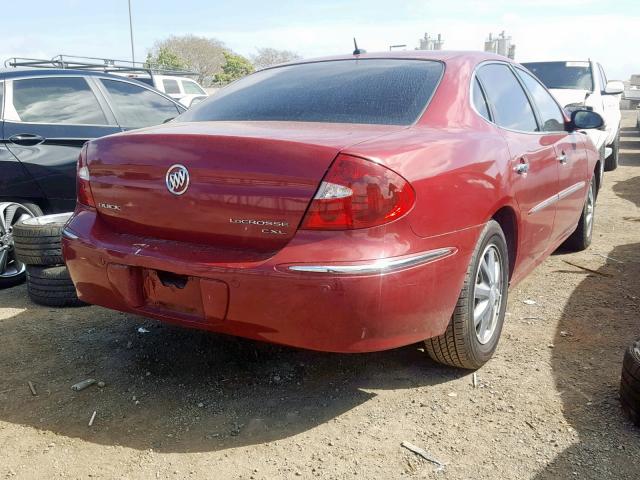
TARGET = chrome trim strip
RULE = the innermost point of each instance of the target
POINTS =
(544, 204)
(558, 196)
(67, 234)
(383, 265)
(573, 188)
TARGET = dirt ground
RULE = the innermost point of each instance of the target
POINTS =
(188, 404)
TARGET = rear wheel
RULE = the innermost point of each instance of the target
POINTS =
(12, 270)
(580, 239)
(473, 332)
(611, 163)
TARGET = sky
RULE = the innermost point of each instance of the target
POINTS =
(604, 30)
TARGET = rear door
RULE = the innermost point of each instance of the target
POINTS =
(136, 106)
(15, 181)
(47, 120)
(570, 155)
(534, 172)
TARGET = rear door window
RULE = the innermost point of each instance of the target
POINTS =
(367, 91)
(510, 104)
(137, 106)
(57, 100)
(479, 101)
(550, 114)
(170, 86)
(1, 99)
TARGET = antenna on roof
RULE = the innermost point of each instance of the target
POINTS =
(357, 51)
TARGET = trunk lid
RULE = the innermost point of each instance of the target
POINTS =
(249, 183)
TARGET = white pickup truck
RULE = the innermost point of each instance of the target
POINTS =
(186, 91)
(584, 84)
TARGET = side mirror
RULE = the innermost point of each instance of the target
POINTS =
(586, 119)
(614, 87)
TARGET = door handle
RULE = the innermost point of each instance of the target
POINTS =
(522, 168)
(26, 139)
(562, 158)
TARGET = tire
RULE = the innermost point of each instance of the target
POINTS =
(630, 383)
(38, 241)
(611, 162)
(12, 270)
(462, 344)
(51, 286)
(581, 238)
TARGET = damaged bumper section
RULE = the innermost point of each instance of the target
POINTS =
(351, 306)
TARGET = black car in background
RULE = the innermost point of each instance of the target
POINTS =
(46, 115)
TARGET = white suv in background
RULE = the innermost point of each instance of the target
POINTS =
(184, 90)
(583, 84)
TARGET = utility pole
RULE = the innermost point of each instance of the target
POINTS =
(133, 55)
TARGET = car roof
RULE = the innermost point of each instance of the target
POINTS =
(438, 55)
(173, 77)
(556, 61)
(8, 73)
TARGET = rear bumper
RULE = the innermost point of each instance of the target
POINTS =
(348, 307)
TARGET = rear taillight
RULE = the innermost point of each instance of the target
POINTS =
(85, 196)
(358, 193)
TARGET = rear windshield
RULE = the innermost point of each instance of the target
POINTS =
(568, 75)
(371, 91)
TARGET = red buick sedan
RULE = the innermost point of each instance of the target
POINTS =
(347, 204)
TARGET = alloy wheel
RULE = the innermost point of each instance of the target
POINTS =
(10, 214)
(590, 208)
(487, 294)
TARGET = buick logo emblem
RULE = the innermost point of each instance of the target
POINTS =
(177, 179)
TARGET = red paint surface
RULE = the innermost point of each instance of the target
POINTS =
(459, 165)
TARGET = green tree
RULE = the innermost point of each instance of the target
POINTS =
(235, 67)
(267, 57)
(200, 54)
(165, 58)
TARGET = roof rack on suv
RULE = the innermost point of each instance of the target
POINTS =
(106, 65)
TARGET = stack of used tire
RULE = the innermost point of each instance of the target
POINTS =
(630, 383)
(38, 244)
